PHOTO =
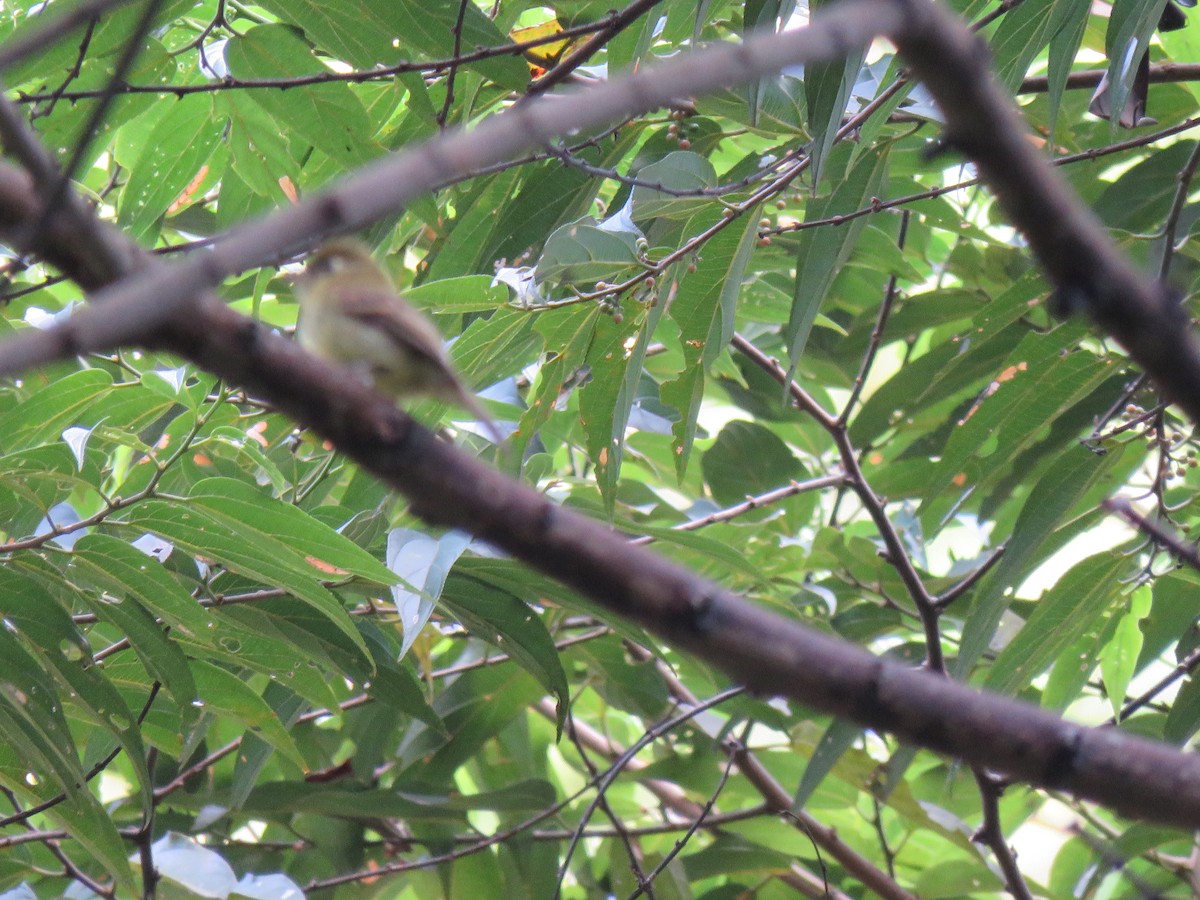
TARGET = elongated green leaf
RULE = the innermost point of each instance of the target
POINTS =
(111, 565)
(1184, 718)
(258, 146)
(29, 701)
(823, 251)
(46, 414)
(611, 365)
(490, 348)
(582, 252)
(226, 694)
(255, 752)
(510, 625)
(946, 371)
(837, 739)
(1064, 46)
(217, 527)
(704, 309)
(392, 804)
(1127, 40)
(827, 88)
(1038, 382)
(428, 28)
(108, 564)
(62, 129)
(1119, 657)
(175, 158)
(470, 293)
(163, 659)
(318, 543)
(1020, 37)
(1050, 505)
(394, 683)
(567, 333)
(465, 242)
(1086, 592)
(329, 116)
(476, 708)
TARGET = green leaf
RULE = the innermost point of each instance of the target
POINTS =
(956, 878)
(319, 544)
(103, 563)
(476, 708)
(466, 240)
(393, 683)
(583, 252)
(821, 252)
(732, 854)
(1050, 505)
(214, 527)
(837, 739)
(613, 363)
(827, 88)
(258, 146)
(1020, 37)
(329, 116)
(511, 626)
(704, 309)
(62, 129)
(108, 564)
(470, 293)
(491, 349)
(729, 472)
(1183, 720)
(1064, 46)
(352, 30)
(424, 806)
(35, 724)
(46, 414)
(175, 159)
(428, 28)
(1088, 591)
(1041, 380)
(164, 660)
(946, 371)
(255, 752)
(1130, 27)
(227, 695)
(676, 173)
(1119, 657)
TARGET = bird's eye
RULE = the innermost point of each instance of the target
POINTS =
(328, 264)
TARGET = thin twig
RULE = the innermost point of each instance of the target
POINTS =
(444, 113)
(991, 833)
(1182, 551)
(617, 23)
(83, 141)
(1172, 223)
(885, 310)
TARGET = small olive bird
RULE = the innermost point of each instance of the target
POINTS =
(351, 313)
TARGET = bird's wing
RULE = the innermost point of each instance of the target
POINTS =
(374, 308)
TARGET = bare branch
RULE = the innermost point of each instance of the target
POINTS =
(139, 305)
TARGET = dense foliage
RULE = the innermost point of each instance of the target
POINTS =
(228, 653)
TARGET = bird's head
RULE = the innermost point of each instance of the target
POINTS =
(346, 258)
